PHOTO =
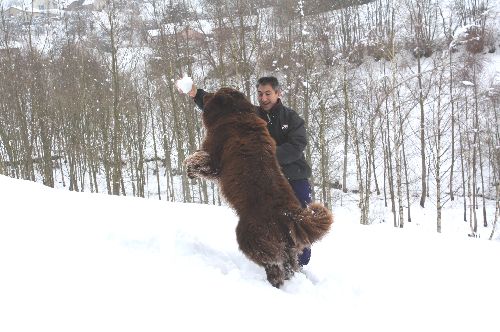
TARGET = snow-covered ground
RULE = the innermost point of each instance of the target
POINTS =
(91, 262)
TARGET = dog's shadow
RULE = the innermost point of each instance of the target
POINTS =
(235, 264)
(225, 261)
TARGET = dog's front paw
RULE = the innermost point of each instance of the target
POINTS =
(198, 164)
(191, 172)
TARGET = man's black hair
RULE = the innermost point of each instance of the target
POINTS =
(273, 81)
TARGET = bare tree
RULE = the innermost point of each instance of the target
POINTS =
(440, 125)
(111, 28)
(423, 21)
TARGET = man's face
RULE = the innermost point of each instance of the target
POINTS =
(267, 96)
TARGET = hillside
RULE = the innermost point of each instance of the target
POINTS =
(400, 99)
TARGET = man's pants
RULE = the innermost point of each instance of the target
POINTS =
(302, 190)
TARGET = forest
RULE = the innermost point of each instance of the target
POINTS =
(400, 98)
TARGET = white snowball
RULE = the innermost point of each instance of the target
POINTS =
(185, 84)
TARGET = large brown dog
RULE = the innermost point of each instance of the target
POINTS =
(239, 153)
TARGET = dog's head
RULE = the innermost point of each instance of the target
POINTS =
(225, 102)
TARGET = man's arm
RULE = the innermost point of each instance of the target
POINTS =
(296, 141)
(198, 97)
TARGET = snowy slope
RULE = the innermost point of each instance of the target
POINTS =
(91, 262)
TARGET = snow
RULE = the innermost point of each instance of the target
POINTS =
(92, 262)
(14, 3)
(467, 83)
(154, 33)
(185, 84)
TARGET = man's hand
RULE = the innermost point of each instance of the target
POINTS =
(192, 93)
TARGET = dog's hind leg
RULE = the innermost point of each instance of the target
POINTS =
(275, 274)
(290, 265)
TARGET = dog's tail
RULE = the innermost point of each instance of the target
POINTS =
(312, 224)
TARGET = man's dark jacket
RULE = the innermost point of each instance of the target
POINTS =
(288, 130)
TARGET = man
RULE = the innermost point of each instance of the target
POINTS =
(287, 129)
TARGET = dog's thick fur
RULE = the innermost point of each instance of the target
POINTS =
(239, 153)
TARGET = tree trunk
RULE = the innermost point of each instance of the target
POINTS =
(406, 181)
(398, 133)
(116, 143)
(390, 176)
(356, 144)
(377, 189)
(462, 166)
(422, 134)
(346, 148)
(156, 170)
(497, 210)
(485, 220)
(439, 208)
(386, 168)
(452, 104)
(324, 160)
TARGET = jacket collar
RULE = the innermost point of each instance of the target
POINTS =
(276, 108)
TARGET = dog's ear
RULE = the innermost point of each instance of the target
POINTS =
(217, 106)
(240, 103)
(222, 101)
